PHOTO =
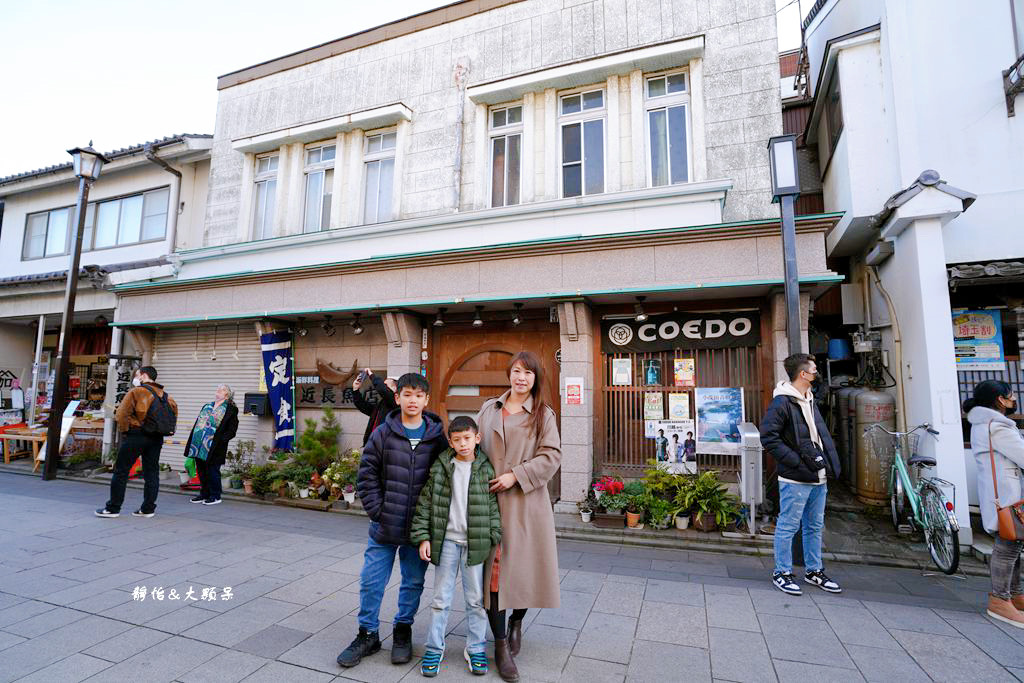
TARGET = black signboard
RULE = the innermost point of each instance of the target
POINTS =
(681, 331)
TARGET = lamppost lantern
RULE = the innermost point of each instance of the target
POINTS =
(87, 162)
(785, 173)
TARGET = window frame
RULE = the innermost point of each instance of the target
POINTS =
(46, 233)
(261, 178)
(1017, 25)
(320, 167)
(833, 112)
(504, 132)
(581, 117)
(664, 103)
(368, 158)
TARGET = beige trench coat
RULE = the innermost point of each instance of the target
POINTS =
(529, 557)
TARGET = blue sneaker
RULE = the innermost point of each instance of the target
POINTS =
(477, 662)
(431, 663)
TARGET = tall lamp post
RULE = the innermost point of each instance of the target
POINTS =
(785, 189)
(87, 165)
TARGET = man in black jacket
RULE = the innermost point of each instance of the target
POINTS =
(377, 410)
(794, 433)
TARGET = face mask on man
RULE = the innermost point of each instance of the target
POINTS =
(136, 382)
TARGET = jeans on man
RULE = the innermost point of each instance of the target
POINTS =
(799, 503)
(135, 444)
(378, 560)
(209, 478)
(1004, 567)
(453, 558)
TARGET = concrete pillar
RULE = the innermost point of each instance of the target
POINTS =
(779, 341)
(577, 344)
(405, 343)
(110, 402)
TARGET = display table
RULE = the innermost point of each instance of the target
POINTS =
(26, 434)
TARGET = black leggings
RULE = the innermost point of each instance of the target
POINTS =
(497, 618)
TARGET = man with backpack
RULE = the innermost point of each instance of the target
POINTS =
(146, 415)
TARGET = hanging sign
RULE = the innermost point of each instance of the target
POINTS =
(681, 331)
(978, 340)
(278, 369)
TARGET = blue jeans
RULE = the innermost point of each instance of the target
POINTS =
(453, 557)
(799, 503)
(377, 563)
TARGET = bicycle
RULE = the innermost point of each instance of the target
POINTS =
(929, 510)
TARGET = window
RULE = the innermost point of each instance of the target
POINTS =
(266, 196)
(506, 154)
(667, 101)
(319, 181)
(379, 157)
(108, 223)
(1017, 15)
(833, 111)
(582, 122)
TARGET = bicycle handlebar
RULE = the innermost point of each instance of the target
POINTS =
(925, 426)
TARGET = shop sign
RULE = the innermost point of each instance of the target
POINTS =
(312, 392)
(681, 331)
(978, 340)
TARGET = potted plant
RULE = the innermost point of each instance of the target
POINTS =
(660, 482)
(658, 511)
(613, 503)
(587, 505)
(710, 502)
(165, 471)
(263, 479)
(184, 477)
(607, 486)
(634, 509)
(349, 492)
(681, 509)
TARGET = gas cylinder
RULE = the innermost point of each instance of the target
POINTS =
(851, 439)
(842, 434)
(872, 407)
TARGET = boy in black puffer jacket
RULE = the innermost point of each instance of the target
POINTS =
(395, 465)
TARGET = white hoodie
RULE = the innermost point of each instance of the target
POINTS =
(1008, 446)
(805, 401)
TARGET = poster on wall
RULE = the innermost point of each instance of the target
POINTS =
(678, 452)
(573, 391)
(278, 371)
(622, 372)
(978, 340)
(683, 373)
(654, 408)
(719, 414)
(679, 406)
(652, 372)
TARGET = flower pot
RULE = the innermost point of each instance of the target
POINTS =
(184, 477)
(633, 519)
(350, 497)
(236, 483)
(303, 493)
(705, 523)
(683, 521)
(247, 484)
(585, 515)
(614, 511)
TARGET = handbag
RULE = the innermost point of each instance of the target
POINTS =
(1011, 517)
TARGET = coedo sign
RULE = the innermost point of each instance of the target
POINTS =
(681, 331)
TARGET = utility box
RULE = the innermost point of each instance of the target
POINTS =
(256, 404)
(751, 463)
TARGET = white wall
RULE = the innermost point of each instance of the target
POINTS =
(17, 348)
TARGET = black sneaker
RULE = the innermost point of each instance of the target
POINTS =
(196, 499)
(211, 501)
(819, 579)
(104, 512)
(786, 583)
(366, 643)
(401, 644)
(140, 513)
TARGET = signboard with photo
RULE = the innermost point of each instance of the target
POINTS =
(675, 445)
(978, 340)
(720, 411)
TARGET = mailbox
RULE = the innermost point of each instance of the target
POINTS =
(256, 404)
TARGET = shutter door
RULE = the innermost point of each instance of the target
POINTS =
(191, 377)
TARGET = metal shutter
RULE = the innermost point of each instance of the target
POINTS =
(190, 376)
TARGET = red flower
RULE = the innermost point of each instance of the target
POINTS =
(609, 485)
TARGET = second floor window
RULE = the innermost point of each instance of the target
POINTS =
(667, 100)
(581, 118)
(265, 196)
(506, 153)
(319, 182)
(46, 233)
(379, 159)
(833, 111)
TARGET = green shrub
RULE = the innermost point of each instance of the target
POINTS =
(317, 446)
(264, 478)
(634, 488)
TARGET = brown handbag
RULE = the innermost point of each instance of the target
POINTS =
(1011, 517)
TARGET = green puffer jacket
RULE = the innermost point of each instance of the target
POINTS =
(431, 519)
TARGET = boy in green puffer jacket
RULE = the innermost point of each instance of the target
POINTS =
(456, 524)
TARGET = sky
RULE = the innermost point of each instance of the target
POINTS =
(121, 72)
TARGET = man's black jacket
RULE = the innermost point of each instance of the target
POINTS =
(786, 437)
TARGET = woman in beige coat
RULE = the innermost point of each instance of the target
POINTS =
(519, 433)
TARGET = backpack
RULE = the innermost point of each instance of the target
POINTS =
(160, 418)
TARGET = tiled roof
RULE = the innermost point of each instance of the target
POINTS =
(123, 152)
(88, 271)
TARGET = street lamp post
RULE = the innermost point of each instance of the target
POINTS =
(785, 189)
(87, 165)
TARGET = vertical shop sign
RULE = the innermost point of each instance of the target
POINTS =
(278, 369)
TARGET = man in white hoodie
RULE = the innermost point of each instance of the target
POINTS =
(794, 434)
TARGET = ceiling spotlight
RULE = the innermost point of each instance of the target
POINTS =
(357, 327)
(327, 327)
(519, 315)
(477, 320)
(302, 331)
(638, 309)
(439, 320)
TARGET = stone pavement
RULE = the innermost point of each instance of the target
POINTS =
(637, 614)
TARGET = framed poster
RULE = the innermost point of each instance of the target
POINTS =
(622, 372)
(652, 372)
(978, 340)
(684, 373)
(654, 408)
(680, 452)
(679, 406)
(720, 411)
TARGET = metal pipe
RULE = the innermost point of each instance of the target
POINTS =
(40, 334)
(461, 76)
(109, 404)
(172, 214)
(792, 279)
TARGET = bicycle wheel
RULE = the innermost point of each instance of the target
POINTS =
(942, 540)
(897, 500)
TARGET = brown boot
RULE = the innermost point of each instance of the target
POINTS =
(1004, 611)
(1018, 602)
(515, 636)
(503, 660)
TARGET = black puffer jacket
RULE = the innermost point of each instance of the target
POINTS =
(786, 437)
(377, 410)
(391, 474)
(226, 431)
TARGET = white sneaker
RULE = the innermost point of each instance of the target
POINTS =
(786, 583)
(104, 512)
(819, 579)
(140, 513)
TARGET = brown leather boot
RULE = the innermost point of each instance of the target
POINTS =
(1004, 611)
(504, 662)
(515, 636)
(1018, 602)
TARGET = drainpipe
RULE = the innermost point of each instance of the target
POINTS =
(36, 361)
(172, 215)
(461, 75)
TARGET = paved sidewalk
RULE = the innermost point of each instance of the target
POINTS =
(67, 613)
